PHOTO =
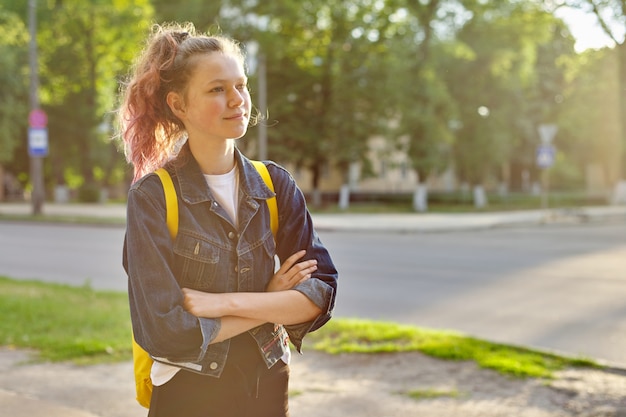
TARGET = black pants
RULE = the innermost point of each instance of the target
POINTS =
(246, 388)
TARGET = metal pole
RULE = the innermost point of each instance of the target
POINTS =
(545, 189)
(36, 162)
(262, 108)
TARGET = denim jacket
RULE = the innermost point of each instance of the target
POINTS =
(210, 254)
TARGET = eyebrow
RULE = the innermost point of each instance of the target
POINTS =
(220, 80)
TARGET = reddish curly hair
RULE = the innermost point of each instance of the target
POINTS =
(151, 133)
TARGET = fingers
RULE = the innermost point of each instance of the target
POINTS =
(289, 262)
(301, 271)
(292, 272)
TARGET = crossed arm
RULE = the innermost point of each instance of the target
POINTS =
(242, 311)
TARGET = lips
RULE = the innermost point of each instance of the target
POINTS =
(237, 116)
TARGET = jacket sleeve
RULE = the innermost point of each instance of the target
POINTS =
(296, 232)
(160, 324)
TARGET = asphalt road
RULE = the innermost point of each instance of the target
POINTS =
(560, 288)
(555, 287)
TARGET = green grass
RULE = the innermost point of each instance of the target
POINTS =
(428, 394)
(459, 202)
(87, 326)
(63, 322)
(46, 218)
(363, 336)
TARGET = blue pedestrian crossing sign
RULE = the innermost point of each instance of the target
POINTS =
(545, 156)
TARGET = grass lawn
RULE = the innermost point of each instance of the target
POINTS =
(87, 326)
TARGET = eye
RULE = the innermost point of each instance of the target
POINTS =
(242, 87)
(216, 90)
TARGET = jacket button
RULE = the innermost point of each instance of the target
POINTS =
(231, 235)
(213, 365)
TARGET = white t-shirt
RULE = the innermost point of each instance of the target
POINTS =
(225, 189)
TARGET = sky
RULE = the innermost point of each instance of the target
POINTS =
(585, 29)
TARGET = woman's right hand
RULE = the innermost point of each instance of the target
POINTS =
(292, 272)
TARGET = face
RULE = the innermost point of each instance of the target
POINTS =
(216, 104)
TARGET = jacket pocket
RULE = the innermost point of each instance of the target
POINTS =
(197, 261)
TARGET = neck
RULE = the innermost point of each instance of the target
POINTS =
(214, 158)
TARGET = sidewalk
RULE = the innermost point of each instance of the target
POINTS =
(378, 222)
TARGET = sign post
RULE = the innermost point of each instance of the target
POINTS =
(546, 153)
(37, 119)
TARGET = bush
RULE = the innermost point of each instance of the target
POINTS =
(89, 193)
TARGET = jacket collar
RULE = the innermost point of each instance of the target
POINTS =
(193, 186)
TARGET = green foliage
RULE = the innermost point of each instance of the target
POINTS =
(328, 70)
(13, 83)
(425, 106)
(338, 73)
(595, 138)
(500, 97)
(84, 49)
(89, 192)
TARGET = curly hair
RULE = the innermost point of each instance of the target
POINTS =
(151, 133)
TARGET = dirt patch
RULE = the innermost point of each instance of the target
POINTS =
(322, 385)
(379, 386)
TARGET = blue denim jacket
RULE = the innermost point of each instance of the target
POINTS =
(210, 254)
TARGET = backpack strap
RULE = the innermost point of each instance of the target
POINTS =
(171, 202)
(271, 202)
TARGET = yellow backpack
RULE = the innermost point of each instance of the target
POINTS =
(142, 362)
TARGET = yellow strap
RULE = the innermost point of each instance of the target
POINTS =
(171, 203)
(271, 202)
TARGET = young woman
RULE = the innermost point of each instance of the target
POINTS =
(208, 306)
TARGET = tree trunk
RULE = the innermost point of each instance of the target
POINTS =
(1, 183)
(317, 199)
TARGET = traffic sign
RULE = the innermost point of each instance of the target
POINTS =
(38, 118)
(545, 156)
(547, 133)
(38, 141)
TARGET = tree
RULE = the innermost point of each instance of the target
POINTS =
(493, 85)
(611, 15)
(13, 87)
(206, 15)
(590, 128)
(426, 110)
(86, 48)
(326, 76)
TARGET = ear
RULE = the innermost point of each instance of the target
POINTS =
(176, 104)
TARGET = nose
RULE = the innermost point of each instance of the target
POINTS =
(236, 98)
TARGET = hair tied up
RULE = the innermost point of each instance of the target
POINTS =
(179, 37)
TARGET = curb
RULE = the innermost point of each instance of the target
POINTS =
(360, 222)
